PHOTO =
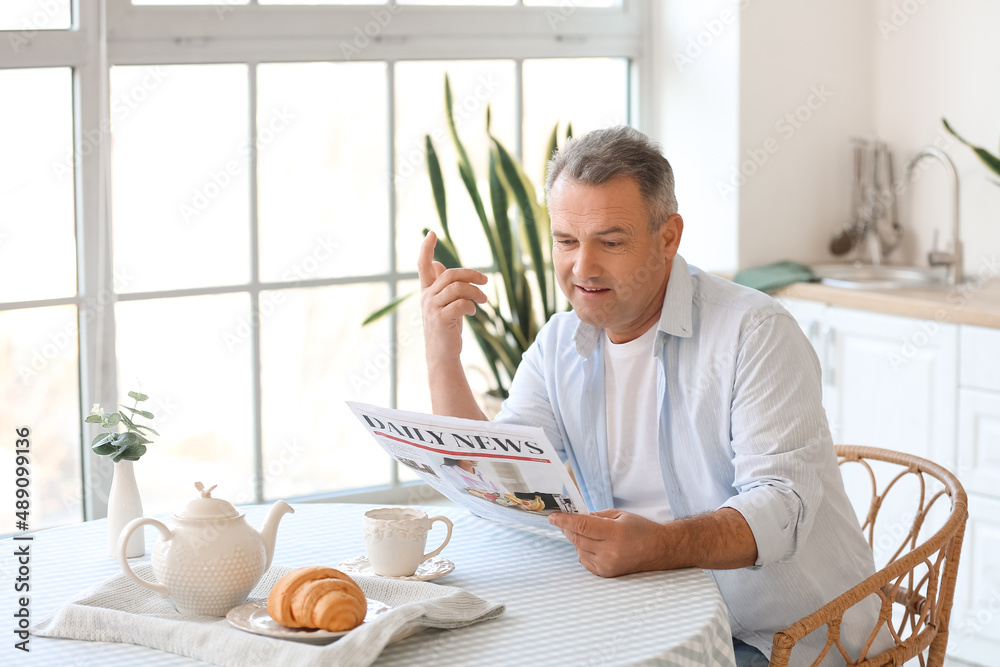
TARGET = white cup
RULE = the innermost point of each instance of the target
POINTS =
(395, 538)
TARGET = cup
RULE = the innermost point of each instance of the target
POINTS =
(395, 538)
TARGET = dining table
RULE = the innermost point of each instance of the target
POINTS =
(556, 612)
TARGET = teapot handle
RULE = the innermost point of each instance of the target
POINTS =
(123, 560)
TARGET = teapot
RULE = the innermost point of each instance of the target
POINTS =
(212, 558)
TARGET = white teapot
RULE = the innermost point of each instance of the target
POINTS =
(212, 558)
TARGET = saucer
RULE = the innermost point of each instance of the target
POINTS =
(432, 568)
(253, 617)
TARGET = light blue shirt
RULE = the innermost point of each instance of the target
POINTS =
(741, 425)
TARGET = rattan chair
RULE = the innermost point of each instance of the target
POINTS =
(919, 576)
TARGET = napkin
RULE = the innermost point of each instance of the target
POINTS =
(118, 610)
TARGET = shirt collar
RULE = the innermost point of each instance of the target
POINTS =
(675, 317)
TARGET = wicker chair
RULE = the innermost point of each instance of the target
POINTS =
(919, 576)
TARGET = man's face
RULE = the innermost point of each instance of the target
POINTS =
(611, 268)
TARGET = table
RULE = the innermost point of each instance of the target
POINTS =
(557, 612)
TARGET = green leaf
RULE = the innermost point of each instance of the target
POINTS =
(114, 419)
(137, 396)
(384, 310)
(93, 419)
(129, 424)
(550, 151)
(990, 160)
(129, 438)
(101, 438)
(105, 448)
(141, 413)
(525, 204)
(133, 452)
(147, 428)
(437, 185)
(506, 259)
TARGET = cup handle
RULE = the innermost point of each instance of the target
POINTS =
(447, 539)
(123, 559)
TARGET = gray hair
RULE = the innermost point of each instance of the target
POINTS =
(603, 155)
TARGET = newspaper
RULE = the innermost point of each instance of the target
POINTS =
(503, 472)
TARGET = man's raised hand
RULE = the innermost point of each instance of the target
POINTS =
(446, 296)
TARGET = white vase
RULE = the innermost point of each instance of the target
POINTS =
(124, 504)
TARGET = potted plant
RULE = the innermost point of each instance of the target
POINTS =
(123, 448)
(516, 227)
(989, 159)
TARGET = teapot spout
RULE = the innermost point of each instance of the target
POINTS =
(269, 531)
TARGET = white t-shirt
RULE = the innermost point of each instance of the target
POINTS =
(633, 454)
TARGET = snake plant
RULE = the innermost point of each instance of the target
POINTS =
(989, 159)
(516, 227)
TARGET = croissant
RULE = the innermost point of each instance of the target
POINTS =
(317, 597)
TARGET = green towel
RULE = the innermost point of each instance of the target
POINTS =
(771, 277)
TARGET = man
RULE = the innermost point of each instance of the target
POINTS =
(689, 407)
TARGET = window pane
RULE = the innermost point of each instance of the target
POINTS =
(419, 112)
(322, 162)
(180, 176)
(314, 356)
(39, 388)
(31, 15)
(193, 356)
(37, 230)
(590, 93)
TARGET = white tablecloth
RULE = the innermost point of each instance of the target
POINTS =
(557, 612)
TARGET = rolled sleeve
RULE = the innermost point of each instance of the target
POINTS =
(779, 437)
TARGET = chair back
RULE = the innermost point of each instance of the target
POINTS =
(916, 585)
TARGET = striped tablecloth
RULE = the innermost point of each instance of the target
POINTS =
(557, 612)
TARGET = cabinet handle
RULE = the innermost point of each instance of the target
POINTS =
(830, 356)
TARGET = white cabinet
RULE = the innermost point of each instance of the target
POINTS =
(975, 621)
(891, 383)
(975, 616)
(888, 381)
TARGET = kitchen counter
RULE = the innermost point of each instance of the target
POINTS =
(976, 302)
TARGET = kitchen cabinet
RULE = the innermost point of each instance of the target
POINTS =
(930, 389)
(975, 620)
(888, 381)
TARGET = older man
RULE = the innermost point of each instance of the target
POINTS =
(689, 407)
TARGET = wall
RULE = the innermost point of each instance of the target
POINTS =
(805, 89)
(757, 186)
(934, 59)
(754, 184)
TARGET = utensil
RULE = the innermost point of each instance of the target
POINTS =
(395, 539)
(847, 237)
(211, 559)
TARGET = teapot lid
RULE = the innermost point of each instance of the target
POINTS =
(207, 507)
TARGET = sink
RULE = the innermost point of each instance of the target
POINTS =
(867, 276)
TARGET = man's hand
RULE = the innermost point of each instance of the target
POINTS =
(446, 296)
(613, 542)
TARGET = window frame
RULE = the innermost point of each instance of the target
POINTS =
(115, 33)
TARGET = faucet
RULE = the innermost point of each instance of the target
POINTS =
(953, 259)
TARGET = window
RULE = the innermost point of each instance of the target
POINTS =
(215, 196)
